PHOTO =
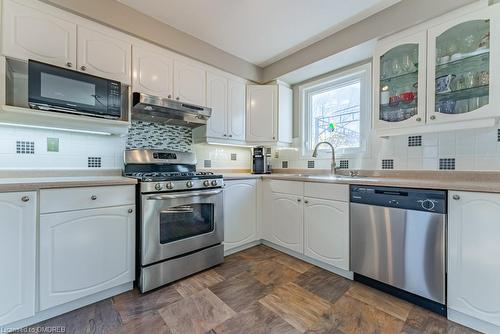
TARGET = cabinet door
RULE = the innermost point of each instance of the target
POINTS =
(236, 110)
(399, 82)
(286, 221)
(217, 89)
(17, 256)
(461, 63)
(85, 252)
(189, 83)
(473, 252)
(152, 72)
(326, 231)
(31, 34)
(103, 55)
(262, 103)
(240, 213)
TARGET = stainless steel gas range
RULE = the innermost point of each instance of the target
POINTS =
(180, 224)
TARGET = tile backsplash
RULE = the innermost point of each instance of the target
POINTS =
(159, 136)
(474, 149)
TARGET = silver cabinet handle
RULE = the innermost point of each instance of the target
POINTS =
(433, 117)
(169, 96)
(177, 98)
(130, 210)
(299, 200)
(93, 197)
(83, 68)
(69, 64)
(25, 199)
(184, 195)
(306, 201)
(230, 136)
(456, 197)
(418, 119)
(224, 135)
(274, 138)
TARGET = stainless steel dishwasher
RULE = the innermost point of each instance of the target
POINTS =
(398, 242)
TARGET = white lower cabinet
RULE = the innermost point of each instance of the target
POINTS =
(240, 213)
(17, 256)
(287, 227)
(326, 231)
(473, 252)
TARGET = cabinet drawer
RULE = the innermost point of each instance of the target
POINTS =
(287, 187)
(68, 199)
(336, 192)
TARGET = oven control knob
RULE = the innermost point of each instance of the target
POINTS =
(189, 184)
(158, 186)
(170, 185)
(206, 183)
(214, 183)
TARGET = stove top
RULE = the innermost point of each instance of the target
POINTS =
(171, 176)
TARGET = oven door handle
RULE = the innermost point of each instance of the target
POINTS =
(184, 195)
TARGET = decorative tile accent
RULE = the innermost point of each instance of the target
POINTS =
(25, 147)
(447, 163)
(94, 162)
(52, 144)
(414, 141)
(284, 164)
(344, 164)
(207, 163)
(310, 164)
(159, 136)
(387, 164)
(234, 156)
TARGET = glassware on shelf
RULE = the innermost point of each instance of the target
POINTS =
(484, 78)
(462, 106)
(446, 107)
(385, 95)
(485, 42)
(407, 64)
(396, 67)
(474, 103)
(443, 83)
(471, 79)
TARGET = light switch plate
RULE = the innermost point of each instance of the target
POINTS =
(52, 144)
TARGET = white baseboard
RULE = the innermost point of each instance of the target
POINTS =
(242, 247)
(65, 308)
(335, 270)
(474, 323)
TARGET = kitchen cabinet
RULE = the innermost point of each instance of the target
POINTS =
(269, 114)
(103, 55)
(399, 72)
(152, 71)
(326, 231)
(473, 251)
(226, 97)
(463, 67)
(189, 83)
(17, 256)
(29, 33)
(287, 227)
(87, 243)
(240, 213)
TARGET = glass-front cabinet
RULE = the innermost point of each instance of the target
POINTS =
(462, 65)
(399, 68)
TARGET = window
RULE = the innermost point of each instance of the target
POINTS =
(337, 110)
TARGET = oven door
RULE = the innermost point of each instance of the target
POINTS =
(178, 223)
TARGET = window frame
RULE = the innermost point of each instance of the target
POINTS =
(363, 73)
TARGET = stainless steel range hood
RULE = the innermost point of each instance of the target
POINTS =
(161, 110)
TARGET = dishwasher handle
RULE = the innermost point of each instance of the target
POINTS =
(391, 192)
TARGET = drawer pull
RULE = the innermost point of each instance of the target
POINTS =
(93, 197)
(130, 210)
(456, 197)
(25, 199)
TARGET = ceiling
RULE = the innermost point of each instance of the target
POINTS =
(259, 31)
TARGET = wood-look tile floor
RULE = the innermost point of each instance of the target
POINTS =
(259, 290)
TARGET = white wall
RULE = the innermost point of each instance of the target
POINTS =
(472, 150)
(74, 149)
(220, 156)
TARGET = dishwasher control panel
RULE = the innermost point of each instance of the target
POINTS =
(403, 198)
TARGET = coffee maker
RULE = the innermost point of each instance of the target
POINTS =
(261, 160)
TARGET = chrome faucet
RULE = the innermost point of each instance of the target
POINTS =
(315, 154)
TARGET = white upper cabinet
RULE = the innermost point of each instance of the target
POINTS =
(152, 71)
(29, 33)
(262, 113)
(399, 82)
(463, 68)
(17, 256)
(269, 114)
(217, 99)
(103, 55)
(240, 213)
(236, 110)
(189, 83)
(473, 250)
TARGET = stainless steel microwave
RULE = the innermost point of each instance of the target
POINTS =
(58, 89)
